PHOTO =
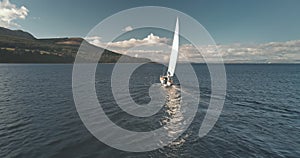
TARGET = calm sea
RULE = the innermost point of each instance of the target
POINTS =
(260, 118)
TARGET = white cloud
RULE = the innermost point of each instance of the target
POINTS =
(152, 46)
(149, 40)
(9, 12)
(126, 44)
(157, 48)
(128, 28)
(279, 52)
(95, 40)
(36, 18)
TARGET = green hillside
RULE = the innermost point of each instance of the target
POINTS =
(21, 47)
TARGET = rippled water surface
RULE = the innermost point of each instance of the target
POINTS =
(260, 118)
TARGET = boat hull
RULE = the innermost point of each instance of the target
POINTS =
(166, 81)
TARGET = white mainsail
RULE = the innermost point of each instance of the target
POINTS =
(174, 53)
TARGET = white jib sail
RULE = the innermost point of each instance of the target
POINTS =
(174, 53)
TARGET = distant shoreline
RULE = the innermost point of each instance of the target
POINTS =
(57, 63)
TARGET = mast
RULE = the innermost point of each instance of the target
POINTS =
(174, 52)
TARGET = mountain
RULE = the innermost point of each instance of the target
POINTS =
(15, 33)
(17, 46)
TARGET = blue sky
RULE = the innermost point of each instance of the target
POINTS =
(230, 21)
(259, 31)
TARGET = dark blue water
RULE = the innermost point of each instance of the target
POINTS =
(260, 118)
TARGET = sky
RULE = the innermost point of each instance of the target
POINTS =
(235, 25)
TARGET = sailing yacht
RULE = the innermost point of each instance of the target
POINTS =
(167, 80)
